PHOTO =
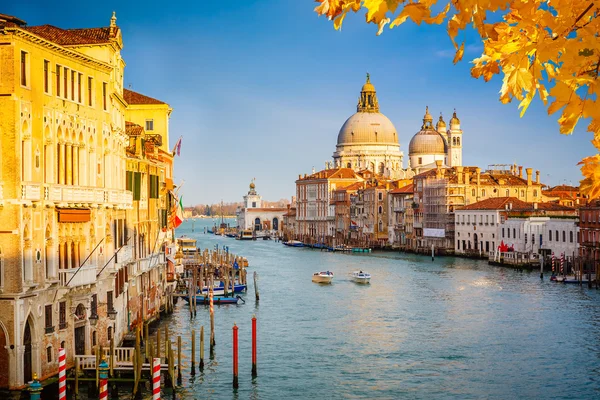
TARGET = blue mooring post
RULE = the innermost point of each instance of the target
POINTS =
(35, 388)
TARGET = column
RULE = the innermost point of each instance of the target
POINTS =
(76, 164)
(61, 163)
(69, 164)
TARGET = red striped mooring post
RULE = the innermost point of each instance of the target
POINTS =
(103, 372)
(156, 379)
(62, 374)
(235, 355)
(254, 373)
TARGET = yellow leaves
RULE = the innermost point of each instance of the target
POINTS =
(459, 53)
(484, 66)
(590, 169)
(524, 104)
(415, 11)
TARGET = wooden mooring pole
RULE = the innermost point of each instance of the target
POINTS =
(193, 352)
(235, 356)
(179, 360)
(254, 371)
(257, 295)
(202, 348)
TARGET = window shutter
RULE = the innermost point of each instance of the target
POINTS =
(137, 185)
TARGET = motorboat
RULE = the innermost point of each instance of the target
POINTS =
(246, 234)
(322, 277)
(216, 300)
(219, 289)
(361, 277)
(294, 243)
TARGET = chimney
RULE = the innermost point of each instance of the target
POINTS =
(459, 175)
(478, 171)
(520, 171)
(528, 171)
(537, 176)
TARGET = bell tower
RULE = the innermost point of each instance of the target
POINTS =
(455, 142)
(367, 102)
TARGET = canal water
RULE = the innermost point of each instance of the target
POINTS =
(451, 328)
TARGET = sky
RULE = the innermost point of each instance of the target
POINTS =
(260, 88)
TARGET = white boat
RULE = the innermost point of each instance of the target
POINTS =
(361, 277)
(322, 277)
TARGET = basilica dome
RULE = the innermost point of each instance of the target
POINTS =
(427, 140)
(368, 127)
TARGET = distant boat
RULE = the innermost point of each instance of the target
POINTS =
(219, 290)
(361, 277)
(216, 300)
(294, 243)
(246, 234)
(322, 277)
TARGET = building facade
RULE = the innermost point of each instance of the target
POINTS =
(253, 216)
(64, 201)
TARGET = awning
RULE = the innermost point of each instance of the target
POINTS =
(74, 215)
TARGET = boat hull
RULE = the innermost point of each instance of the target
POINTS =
(216, 300)
(362, 280)
(322, 279)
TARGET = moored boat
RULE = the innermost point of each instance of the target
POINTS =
(200, 299)
(361, 277)
(246, 234)
(294, 243)
(322, 277)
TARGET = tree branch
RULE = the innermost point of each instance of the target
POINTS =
(574, 27)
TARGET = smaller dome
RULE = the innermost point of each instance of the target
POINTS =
(252, 185)
(427, 142)
(368, 87)
(454, 120)
(440, 123)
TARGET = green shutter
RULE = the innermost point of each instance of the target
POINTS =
(137, 185)
(129, 180)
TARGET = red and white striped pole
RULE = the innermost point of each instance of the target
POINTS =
(156, 379)
(62, 374)
(552, 263)
(103, 372)
(562, 263)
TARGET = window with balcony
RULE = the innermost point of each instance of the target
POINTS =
(109, 301)
(49, 326)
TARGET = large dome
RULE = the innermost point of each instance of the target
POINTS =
(427, 142)
(368, 127)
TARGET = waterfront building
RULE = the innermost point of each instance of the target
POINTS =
(437, 192)
(525, 227)
(589, 234)
(253, 216)
(64, 201)
(369, 140)
(430, 144)
(565, 195)
(289, 222)
(141, 262)
(314, 216)
(343, 223)
(369, 212)
(400, 226)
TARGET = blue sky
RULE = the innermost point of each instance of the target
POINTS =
(260, 89)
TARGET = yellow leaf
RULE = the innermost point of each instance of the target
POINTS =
(526, 101)
(459, 53)
(438, 19)
(415, 11)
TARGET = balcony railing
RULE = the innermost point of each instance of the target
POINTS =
(85, 276)
(124, 255)
(77, 194)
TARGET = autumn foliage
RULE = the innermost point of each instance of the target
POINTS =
(548, 48)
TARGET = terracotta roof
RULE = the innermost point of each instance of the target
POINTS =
(563, 188)
(334, 173)
(133, 129)
(132, 97)
(404, 190)
(500, 203)
(485, 178)
(11, 20)
(74, 37)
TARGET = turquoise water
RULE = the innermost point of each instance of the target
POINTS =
(452, 328)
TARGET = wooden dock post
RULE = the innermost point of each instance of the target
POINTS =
(202, 348)
(158, 343)
(179, 359)
(97, 365)
(212, 324)
(193, 352)
(257, 295)
(146, 342)
(111, 357)
(76, 376)
(254, 371)
(170, 366)
(167, 341)
(235, 356)
(136, 361)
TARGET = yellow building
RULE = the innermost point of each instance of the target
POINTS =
(67, 251)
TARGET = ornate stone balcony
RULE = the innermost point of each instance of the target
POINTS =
(71, 278)
(83, 195)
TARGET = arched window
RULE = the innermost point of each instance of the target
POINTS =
(349, 165)
(473, 193)
(550, 235)
(535, 193)
(571, 236)
(483, 192)
(380, 226)
(380, 210)
(257, 224)
(564, 236)
(458, 141)
(275, 224)
(507, 192)
(381, 168)
(522, 193)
